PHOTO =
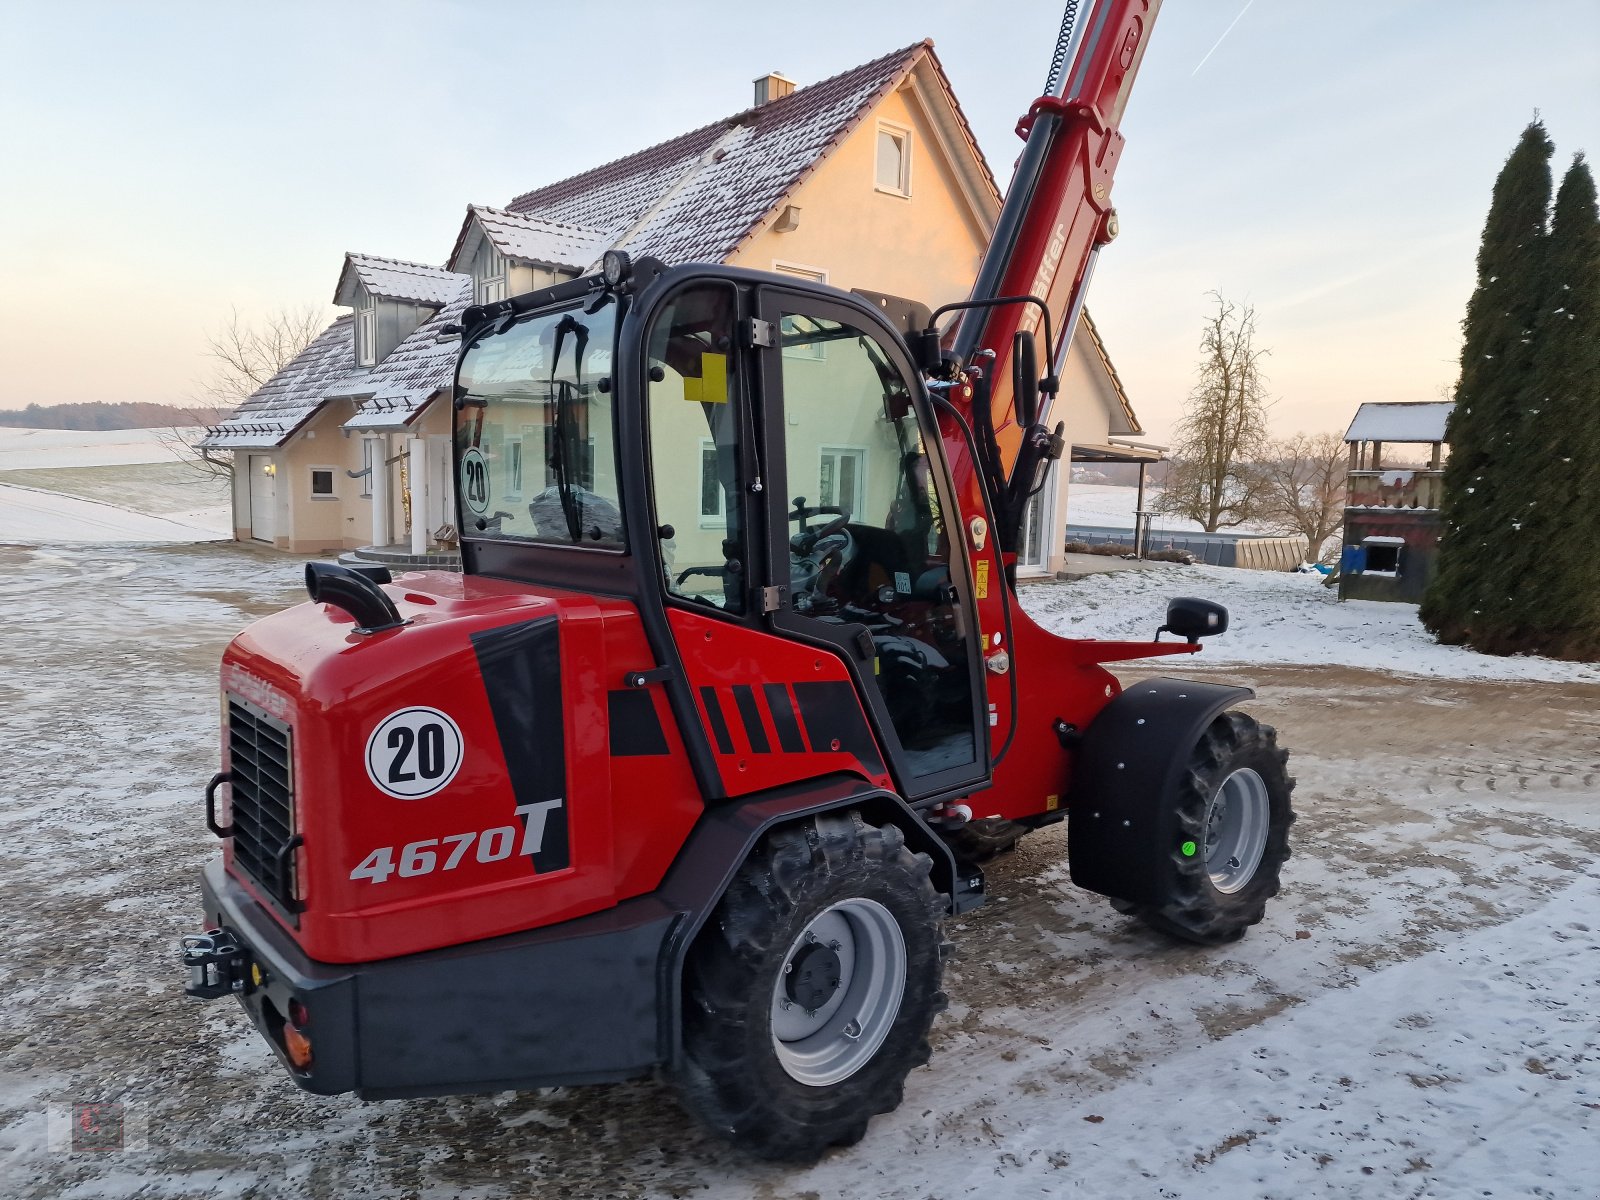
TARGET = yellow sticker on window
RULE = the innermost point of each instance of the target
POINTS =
(712, 386)
(981, 580)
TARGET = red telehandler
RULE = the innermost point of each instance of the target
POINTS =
(640, 791)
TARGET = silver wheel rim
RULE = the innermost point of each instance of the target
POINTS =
(1236, 830)
(823, 1045)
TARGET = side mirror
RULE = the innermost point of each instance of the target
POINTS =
(1193, 618)
(1025, 378)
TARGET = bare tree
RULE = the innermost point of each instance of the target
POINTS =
(244, 356)
(1211, 480)
(1303, 487)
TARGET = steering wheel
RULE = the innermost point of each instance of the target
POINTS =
(803, 542)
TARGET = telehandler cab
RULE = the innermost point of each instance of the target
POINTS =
(641, 791)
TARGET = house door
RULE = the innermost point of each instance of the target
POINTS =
(263, 498)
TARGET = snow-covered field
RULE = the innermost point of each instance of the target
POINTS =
(1418, 1017)
(1276, 617)
(25, 449)
(1109, 505)
(97, 487)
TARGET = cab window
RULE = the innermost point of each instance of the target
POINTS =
(693, 414)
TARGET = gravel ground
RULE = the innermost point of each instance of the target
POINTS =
(1413, 1019)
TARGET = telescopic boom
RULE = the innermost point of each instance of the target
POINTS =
(1057, 212)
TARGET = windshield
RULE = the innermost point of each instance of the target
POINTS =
(535, 433)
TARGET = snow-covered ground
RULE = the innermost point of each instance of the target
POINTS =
(65, 486)
(33, 516)
(1418, 1016)
(1276, 617)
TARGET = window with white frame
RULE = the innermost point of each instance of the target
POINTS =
(322, 483)
(514, 467)
(489, 274)
(713, 496)
(841, 478)
(1382, 555)
(811, 349)
(894, 160)
(366, 332)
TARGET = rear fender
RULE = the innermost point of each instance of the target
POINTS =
(725, 837)
(1122, 831)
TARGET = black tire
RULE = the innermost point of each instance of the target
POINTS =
(983, 839)
(1199, 911)
(732, 1078)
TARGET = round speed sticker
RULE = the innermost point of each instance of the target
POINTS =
(475, 481)
(414, 753)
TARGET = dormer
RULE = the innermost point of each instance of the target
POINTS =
(507, 253)
(390, 298)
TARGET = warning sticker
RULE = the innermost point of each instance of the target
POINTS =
(980, 580)
(712, 386)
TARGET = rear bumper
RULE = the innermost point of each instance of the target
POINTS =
(568, 1004)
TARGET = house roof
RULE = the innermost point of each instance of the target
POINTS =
(287, 400)
(390, 394)
(696, 197)
(395, 279)
(531, 239)
(1415, 421)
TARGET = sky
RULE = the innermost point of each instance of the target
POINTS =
(167, 163)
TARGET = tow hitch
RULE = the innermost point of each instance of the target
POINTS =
(216, 963)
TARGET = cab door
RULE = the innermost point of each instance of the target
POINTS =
(859, 517)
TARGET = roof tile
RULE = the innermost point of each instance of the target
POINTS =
(695, 197)
(284, 402)
(395, 390)
(538, 240)
(395, 279)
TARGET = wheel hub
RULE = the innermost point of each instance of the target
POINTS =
(838, 993)
(1237, 822)
(813, 975)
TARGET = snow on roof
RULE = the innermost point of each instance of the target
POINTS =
(390, 394)
(695, 198)
(395, 279)
(534, 239)
(282, 404)
(1421, 421)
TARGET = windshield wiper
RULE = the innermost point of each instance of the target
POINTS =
(566, 395)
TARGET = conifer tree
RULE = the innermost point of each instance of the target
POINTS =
(1473, 593)
(1563, 585)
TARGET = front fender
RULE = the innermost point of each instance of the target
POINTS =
(1121, 826)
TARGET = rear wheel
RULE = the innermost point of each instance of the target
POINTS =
(1233, 804)
(810, 993)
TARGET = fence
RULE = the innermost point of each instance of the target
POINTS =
(1217, 549)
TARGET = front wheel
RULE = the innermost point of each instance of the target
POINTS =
(810, 993)
(1233, 808)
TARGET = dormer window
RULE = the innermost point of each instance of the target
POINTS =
(894, 160)
(366, 331)
(489, 274)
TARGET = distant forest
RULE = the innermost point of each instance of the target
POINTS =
(134, 415)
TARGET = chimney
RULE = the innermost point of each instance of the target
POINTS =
(774, 86)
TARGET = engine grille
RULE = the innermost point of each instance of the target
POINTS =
(261, 762)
